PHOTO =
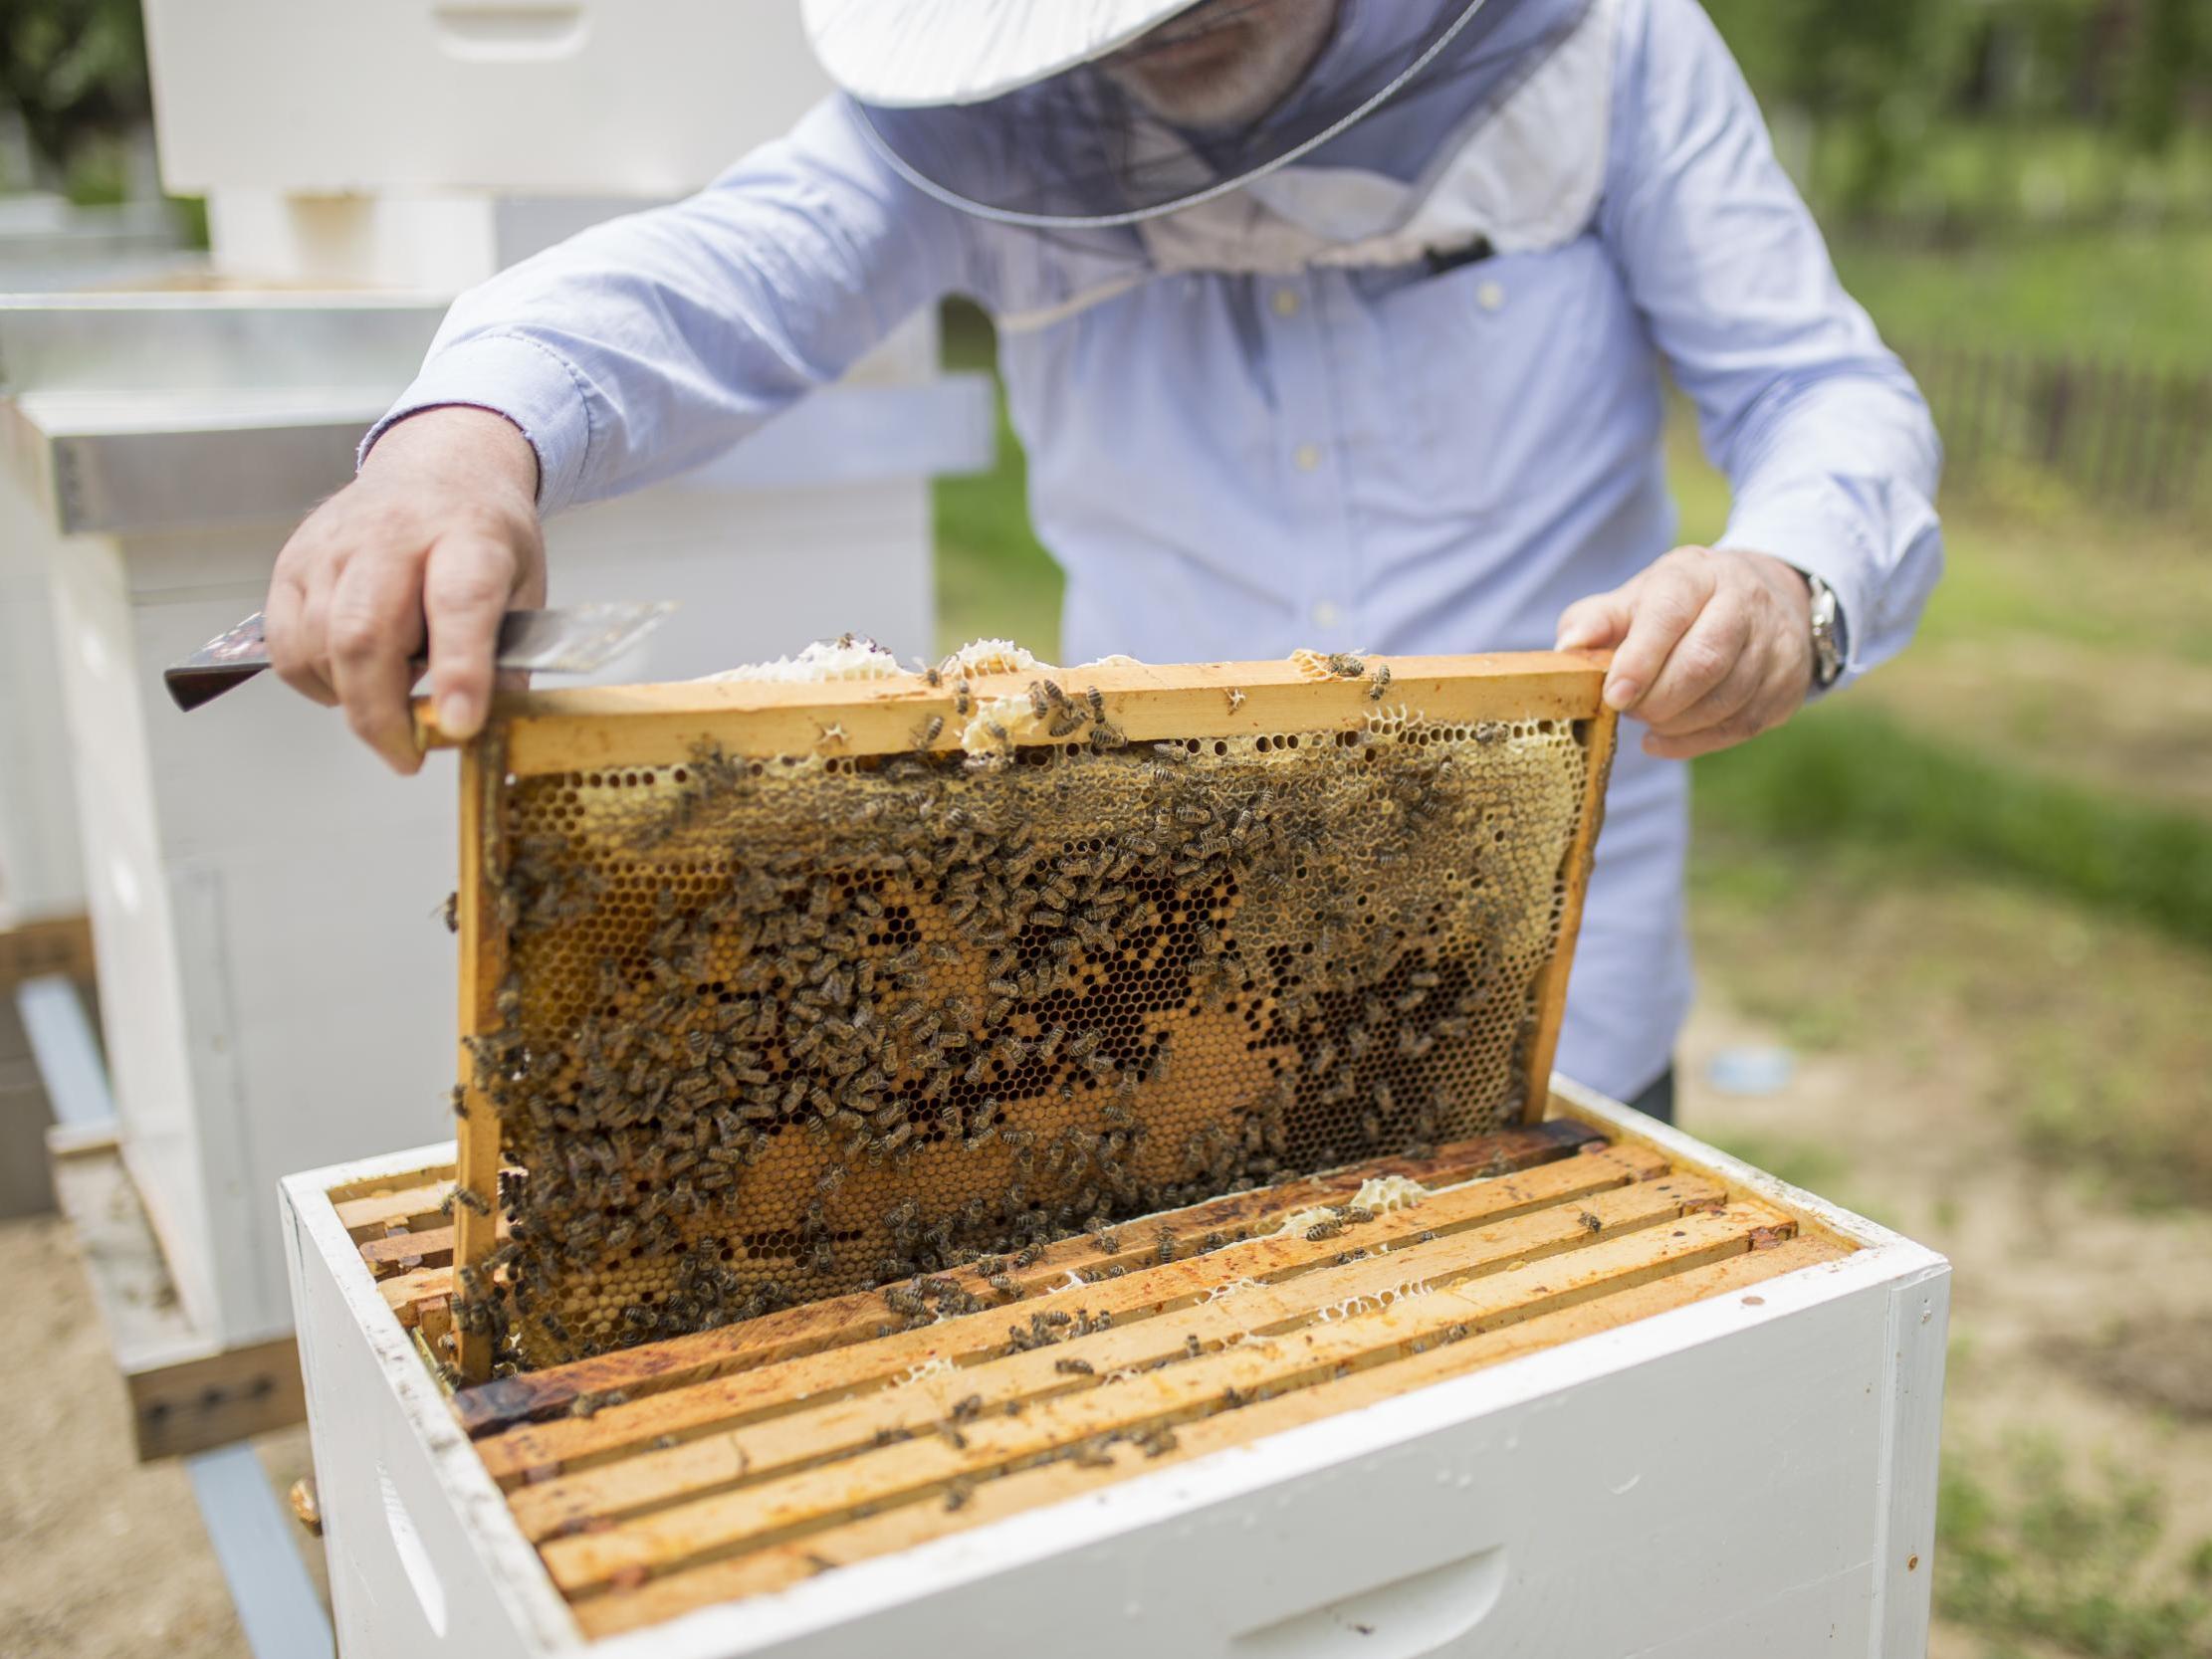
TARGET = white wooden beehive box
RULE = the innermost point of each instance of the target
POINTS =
(1521, 1372)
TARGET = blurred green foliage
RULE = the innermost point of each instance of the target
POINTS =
(76, 72)
(1854, 773)
(2028, 1549)
(1884, 82)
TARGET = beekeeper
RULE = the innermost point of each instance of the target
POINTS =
(1338, 324)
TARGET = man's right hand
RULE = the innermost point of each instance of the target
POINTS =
(440, 529)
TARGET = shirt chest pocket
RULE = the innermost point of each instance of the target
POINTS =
(1491, 365)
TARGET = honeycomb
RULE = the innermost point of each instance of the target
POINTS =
(774, 1030)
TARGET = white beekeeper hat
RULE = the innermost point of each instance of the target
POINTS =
(901, 54)
(1006, 110)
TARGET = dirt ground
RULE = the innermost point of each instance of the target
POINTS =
(2074, 1317)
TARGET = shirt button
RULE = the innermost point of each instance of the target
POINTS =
(1326, 615)
(1490, 295)
(1286, 302)
(1307, 457)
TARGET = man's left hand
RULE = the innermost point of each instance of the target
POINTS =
(1712, 645)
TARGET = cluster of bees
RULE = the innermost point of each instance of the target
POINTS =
(774, 1032)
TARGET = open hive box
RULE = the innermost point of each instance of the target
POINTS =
(907, 1129)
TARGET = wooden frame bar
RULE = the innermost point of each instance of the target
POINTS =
(588, 730)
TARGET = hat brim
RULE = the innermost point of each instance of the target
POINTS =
(907, 54)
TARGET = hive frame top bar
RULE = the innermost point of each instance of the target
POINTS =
(661, 725)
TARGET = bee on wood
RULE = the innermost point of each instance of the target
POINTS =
(1191, 1347)
(964, 701)
(1004, 1285)
(1104, 737)
(968, 1409)
(1157, 1442)
(1589, 1223)
(1073, 1368)
(933, 675)
(1108, 1242)
(1092, 1454)
(952, 1436)
(957, 1491)
(460, 1101)
(1355, 1212)
(1344, 665)
(1039, 705)
(1428, 1237)
(450, 912)
(1456, 1334)
(923, 735)
(1322, 1230)
(1164, 1251)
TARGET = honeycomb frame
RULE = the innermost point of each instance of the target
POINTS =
(1068, 1109)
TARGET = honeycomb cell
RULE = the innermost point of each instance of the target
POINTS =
(778, 1031)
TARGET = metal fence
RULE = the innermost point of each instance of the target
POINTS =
(2125, 434)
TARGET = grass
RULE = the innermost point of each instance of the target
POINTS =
(2082, 1030)
(1855, 774)
(2026, 1551)
(993, 578)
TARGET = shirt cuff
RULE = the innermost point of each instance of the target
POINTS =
(517, 378)
(1811, 529)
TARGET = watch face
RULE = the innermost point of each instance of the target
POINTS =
(1828, 653)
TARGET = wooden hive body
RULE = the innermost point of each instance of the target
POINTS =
(1593, 1346)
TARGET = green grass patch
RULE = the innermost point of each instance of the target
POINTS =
(993, 577)
(1845, 773)
(2137, 293)
(2027, 1552)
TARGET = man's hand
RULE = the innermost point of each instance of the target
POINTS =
(439, 530)
(1712, 645)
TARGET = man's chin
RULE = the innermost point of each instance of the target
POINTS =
(1196, 100)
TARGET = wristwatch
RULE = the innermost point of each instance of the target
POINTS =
(1828, 634)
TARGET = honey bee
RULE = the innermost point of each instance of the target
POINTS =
(1074, 1367)
(1104, 737)
(1344, 665)
(957, 1491)
(926, 734)
(1191, 1347)
(1097, 703)
(964, 701)
(1589, 1223)
(450, 912)
(1322, 1230)
(952, 1436)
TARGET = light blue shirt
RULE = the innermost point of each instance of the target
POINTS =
(1233, 466)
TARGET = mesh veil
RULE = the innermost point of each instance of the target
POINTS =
(1082, 149)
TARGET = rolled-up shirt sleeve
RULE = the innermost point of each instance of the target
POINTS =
(1825, 441)
(649, 345)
